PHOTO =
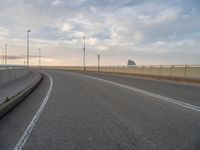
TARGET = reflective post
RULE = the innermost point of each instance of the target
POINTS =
(84, 53)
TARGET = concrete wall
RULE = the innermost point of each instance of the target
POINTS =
(7, 75)
(182, 71)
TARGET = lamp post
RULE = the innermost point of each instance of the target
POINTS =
(6, 46)
(84, 53)
(28, 31)
(98, 62)
(2, 58)
(39, 57)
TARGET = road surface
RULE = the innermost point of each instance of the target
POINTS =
(92, 111)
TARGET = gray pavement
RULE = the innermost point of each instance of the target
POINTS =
(186, 92)
(12, 88)
(15, 122)
(84, 113)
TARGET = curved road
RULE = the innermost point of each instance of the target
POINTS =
(104, 112)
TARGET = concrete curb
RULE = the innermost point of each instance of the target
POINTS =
(19, 97)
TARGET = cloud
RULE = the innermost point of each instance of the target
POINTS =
(3, 33)
(118, 29)
(12, 57)
(161, 17)
(56, 2)
(66, 27)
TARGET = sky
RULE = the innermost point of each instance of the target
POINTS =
(150, 32)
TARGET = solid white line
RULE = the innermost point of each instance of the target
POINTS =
(170, 100)
(30, 127)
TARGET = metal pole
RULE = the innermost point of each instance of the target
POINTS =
(39, 57)
(98, 62)
(84, 53)
(2, 57)
(28, 31)
(6, 45)
(27, 49)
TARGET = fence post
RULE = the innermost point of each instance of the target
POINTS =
(142, 70)
(160, 70)
(149, 70)
(171, 71)
(185, 69)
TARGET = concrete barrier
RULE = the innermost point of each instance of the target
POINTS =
(169, 71)
(18, 97)
(10, 74)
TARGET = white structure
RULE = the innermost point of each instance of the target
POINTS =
(131, 63)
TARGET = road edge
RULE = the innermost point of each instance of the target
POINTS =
(19, 97)
(154, 77)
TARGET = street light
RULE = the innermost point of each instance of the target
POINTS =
(6, 46)
(39, 57)
(98, 62)
(2, 57)
(28, 31)
(84, 53)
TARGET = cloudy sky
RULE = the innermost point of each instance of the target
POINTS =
(147, 31)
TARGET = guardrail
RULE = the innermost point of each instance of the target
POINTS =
(172, 71)
(12, 72)
(11, 66)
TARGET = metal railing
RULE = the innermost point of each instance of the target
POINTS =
(12, 66)
(181, 71)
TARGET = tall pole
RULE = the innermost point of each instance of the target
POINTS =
(98, 62)
(39, 57)
(84, 53)
(2, 57)
(6, 45)
(28, 31)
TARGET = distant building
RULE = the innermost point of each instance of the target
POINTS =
(131, 63)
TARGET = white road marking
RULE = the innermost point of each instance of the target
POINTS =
(30, 127)
(170, 100)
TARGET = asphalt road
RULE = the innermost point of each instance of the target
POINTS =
(105, 112)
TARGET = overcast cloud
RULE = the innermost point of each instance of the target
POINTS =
(147, 31)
